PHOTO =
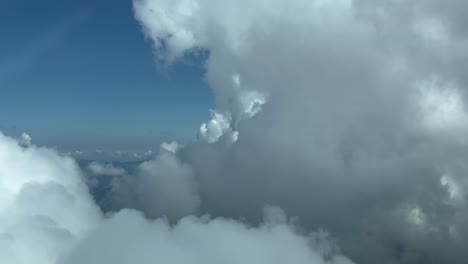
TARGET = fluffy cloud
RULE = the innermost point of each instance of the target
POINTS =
(358, 117)
(25, 140)
(216, 128)
(47, 216)
(98, 168)
(350, 115)
(160, 187)
(44, 205)
(199, 240)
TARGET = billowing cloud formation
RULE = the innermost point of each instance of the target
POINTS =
(47, 216)
(199, 240)
(161, 187)
(44, 205)
(349, 114)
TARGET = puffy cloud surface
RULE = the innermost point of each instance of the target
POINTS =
(349, 114)
(198, 240)
(47, 216)
(44, 205)
(160, 187)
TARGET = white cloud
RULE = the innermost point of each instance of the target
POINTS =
(321, 102)
(443, 107)
(163, 187)
(170, 147)
(25, 140)
(47, 216)
(98, 168)
(44, 205)
(213, 130)
(318, 105)
(196, 240)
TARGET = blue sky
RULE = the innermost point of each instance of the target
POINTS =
(81, 75)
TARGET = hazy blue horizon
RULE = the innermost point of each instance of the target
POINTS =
(82, 76)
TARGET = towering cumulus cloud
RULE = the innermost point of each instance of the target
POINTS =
(348, 114)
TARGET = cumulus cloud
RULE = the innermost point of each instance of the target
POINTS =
(349, 114)
(163, 187)
(25, 140)
(44, 205)
(170, 147)
(47, 216)
(217, 127)
(198, 240)
(98, 168)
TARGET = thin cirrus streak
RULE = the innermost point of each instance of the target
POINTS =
(32, 53)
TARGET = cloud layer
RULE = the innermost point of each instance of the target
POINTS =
(47, 216)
